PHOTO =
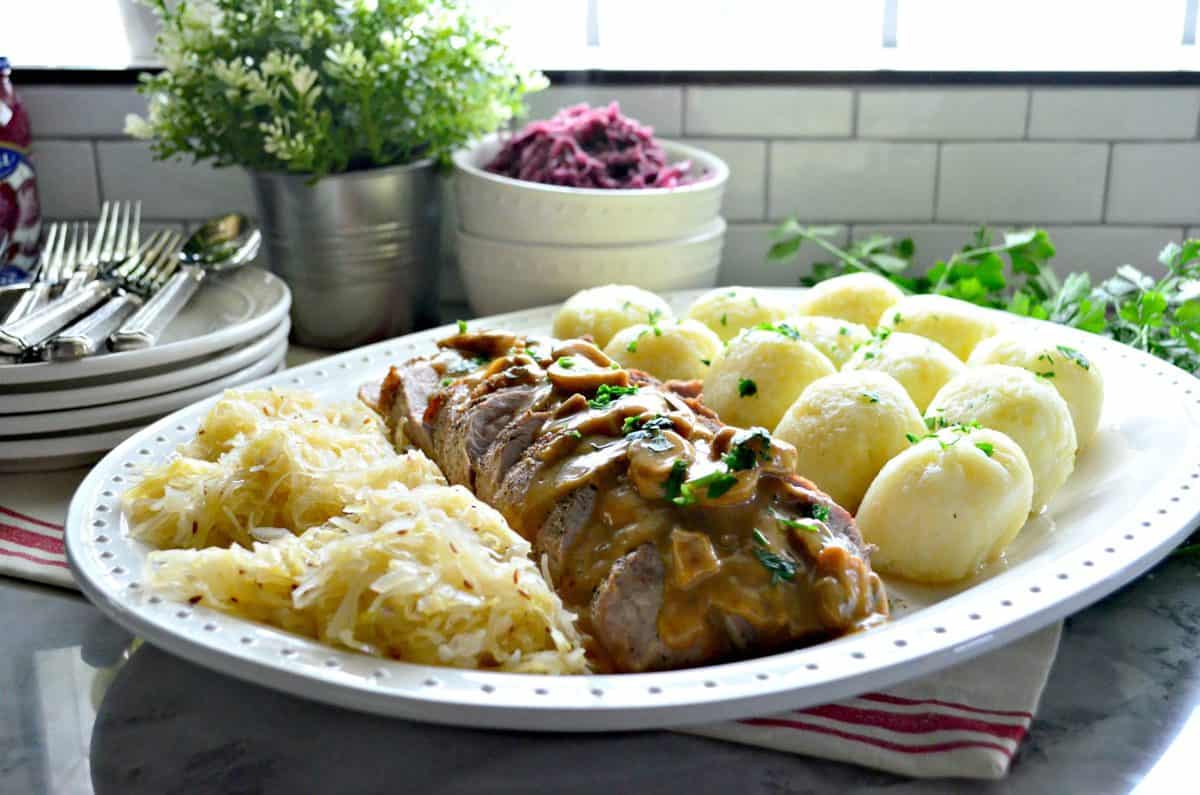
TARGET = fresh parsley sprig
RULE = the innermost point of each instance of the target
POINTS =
(1158, 315)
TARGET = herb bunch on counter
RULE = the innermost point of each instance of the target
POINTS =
(1157, 314)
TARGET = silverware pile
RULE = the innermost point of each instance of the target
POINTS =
(89, 291)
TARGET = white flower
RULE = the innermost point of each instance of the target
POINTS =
(304, 78)
(137, 127)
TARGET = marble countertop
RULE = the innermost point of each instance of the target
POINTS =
(80, 712)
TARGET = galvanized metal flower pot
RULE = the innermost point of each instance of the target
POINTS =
(359, 251)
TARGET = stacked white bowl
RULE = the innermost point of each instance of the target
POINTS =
(523, 244)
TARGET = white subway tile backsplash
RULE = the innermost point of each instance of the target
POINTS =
(171, 189)
(745, 193)
(1021, 182)
(1114, 114)
(66, 175)
(852, 180)
(80, 111)
(659, 106)
(1100, 250)
(942, 113)
(744, 261)
(1155, 183)
(768, 111)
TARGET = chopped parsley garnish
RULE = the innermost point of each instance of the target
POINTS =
(797, 524)
(1047, 374)
(625, 306)
(607, 393)
(724, 319)
(717, 483)
(898, 319)
(912, 438)
(742, 454)
(747, 387)
(869, 355)
(447, 381)
(1075, 356)
(656, 423)
(652, 319)
(574, 434)
(566, 362)
(986, 447)
(673, 485)
(632, 346)
(820, 512)
(786, 329)
(706, 362)
(781, 566)
(843, 331)
(871, 397)
(614, 366)
(934, 422)
(462, 327)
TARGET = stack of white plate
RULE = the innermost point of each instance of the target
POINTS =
(55, 415)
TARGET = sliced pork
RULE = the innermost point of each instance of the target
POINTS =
(677, 540)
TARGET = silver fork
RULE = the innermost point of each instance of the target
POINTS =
(134, 280)
(116, 239)
(38, 292)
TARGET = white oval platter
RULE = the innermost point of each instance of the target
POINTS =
(1134, 496)
(231, 309)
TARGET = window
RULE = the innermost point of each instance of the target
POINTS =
(725, 35)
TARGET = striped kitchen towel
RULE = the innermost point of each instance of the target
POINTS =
(965, 722)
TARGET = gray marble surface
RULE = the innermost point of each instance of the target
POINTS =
(82, 713)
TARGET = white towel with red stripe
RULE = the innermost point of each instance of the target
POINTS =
(966, 722)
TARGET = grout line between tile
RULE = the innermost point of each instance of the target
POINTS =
(854, 106)
(1028, 112)
(96, 168)
(766, 211)
(1104, 197)
(937, 182)
(683, 109)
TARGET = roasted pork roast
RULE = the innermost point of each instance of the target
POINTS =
(678, 540)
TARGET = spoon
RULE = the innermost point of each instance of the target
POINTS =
(220, 244)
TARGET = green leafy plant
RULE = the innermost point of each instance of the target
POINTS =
(325, 86)
(1160, 316)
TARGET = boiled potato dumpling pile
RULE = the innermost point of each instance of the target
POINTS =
(941, 431)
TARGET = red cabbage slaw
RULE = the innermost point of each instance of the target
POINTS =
(585, 147)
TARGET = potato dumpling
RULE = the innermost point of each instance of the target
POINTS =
(857, 297)
(845, 427)
(920, 365)
(728, 310)
(1076, 377)
(954, 324)
(1024, 407)
(760, 375)
(947, 505)
(603, 311)
(833, 337)
(675, 349)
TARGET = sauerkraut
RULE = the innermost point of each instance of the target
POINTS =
(267, 458)
(301, 515)
(428, 575)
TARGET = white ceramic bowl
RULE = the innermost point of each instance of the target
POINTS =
(501, 208)
(502, 276)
